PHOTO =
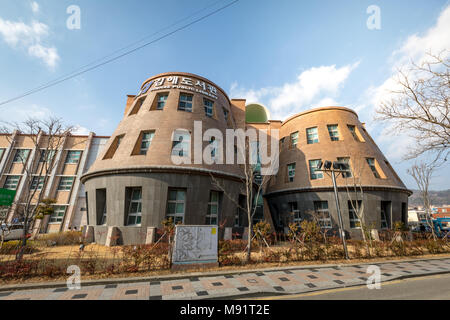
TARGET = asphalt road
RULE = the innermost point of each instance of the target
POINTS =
(423, 288)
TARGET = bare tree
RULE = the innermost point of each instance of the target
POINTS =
(421, 105)
(422, 174)
(353, 186)
(4, 229)
(253, 186)
(47, 137)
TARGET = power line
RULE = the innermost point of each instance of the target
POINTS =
(78, 73)
(119, 50)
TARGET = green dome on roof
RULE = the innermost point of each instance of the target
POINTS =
(256, 113)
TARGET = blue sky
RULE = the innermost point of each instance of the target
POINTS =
(290, 55)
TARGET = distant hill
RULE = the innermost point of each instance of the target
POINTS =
(438, 198)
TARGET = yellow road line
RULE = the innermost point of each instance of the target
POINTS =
(317, 293)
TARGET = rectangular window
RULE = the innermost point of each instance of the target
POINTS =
(355, 133)
(386, 207)
(161, 101)
(11, 182)
(294, 140)
(384, 220)
(176, 205)
(334, 132)
(291, 172)
(353, 207)
(137, 105)
(181, 144)
(294, 209)
(226, 115)
(135, 208)
(147, 138)
(213, 145)
(37, 183)
(2, 151)
(314, 174)
(65, 183)
(114, 146)
(208, 104)
(323, 215)
(58, 214)
(100, 199)
(213, 209)
(21, 155)
(46, 155)
(371, 162)
(73, 157)
(312, 135)
(347, 161)
(185, 102)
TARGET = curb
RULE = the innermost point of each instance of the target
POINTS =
(89, 283)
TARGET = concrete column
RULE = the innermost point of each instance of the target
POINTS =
(151, 235)
(8, 153)
(111, 237)
(228, 235)
(77, 183)
(88, 234)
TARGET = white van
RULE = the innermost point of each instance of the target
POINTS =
(13, 232)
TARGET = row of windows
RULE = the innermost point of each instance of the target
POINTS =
(324, 218)
(185, 103)
(312, 135)
(65, 183)
(315, 174)
(180, 145)
(21, 156)
(176, 207)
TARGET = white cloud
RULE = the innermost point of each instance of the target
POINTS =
(23, 112)
(313, 87)
(29, 37)
(48, 55)
(34, 7)
(79, 130)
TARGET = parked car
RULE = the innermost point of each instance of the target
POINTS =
(13, 231)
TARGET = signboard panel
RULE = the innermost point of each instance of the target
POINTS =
(7, 197)
(195, 244)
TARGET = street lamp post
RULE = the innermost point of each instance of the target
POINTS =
(332, 168)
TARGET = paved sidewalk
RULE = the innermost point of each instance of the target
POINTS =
(292, 280)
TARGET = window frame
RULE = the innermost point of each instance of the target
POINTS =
(8, 177)
(63, 187)
(138, 214)
(176, 216)
(291, 171)
(69, 159)
(23, 159)
(57, 215)
(39, 185)
(292, 139)
(354, 221)
(373, 167)
(315, 135)
(208, 107)
(163, 101)
(333, 131)
(325, 223)
(209, 215)
(312, 170)
(185, 102)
